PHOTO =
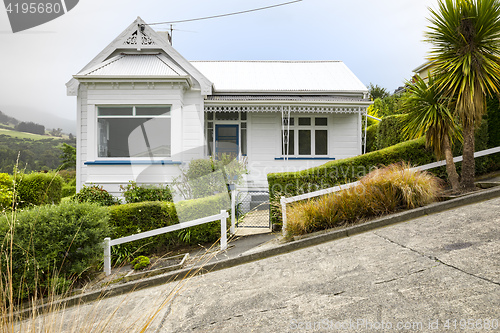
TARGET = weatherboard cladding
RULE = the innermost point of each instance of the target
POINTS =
(267, 76)
(136, 65)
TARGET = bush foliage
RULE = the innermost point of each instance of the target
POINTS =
(6, 191)
(137, 193)
(133, 218)
(390, 131)
(39, 188)
(380, 192)
(53, 242)
(95, 194)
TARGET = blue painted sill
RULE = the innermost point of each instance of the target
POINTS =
(132, 162)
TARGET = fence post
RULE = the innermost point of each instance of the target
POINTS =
(107, 256)
(283, 215)
(232, 230)
(223, 230)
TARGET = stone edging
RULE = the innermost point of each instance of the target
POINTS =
(280, 249)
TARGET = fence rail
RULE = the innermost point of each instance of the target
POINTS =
(337, 188)
(108, 242)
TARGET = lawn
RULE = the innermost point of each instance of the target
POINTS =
(24, 135)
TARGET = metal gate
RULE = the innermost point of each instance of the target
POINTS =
(252, 210)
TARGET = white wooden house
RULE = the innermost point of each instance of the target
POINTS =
(144, 111)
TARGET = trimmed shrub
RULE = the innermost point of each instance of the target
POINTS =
(95, 194)
(380, 192)
(53, 243)
(39, 189)
(6, 191)
(133, 218)
(371, 137)
(136, 193)
(198, 208)
(390, 131)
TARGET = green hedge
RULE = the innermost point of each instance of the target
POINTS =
(133, 218)
(390, 131)
(53, 243)
(39, 188)
(194, 209)
(371, 137)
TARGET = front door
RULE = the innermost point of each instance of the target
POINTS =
(226, 140)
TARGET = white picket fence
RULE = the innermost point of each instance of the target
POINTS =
(108, 242)
(305, 196)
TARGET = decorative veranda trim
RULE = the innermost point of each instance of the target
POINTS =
(278, 108)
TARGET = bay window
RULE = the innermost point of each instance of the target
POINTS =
(134, 131)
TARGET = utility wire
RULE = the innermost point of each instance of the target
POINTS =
(229, 14)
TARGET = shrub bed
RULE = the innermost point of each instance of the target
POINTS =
(129, 219)
(380, 192)
(52, 243)
(345, 171)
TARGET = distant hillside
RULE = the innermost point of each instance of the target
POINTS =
(50, 121)
(36, 152)
(7, 120)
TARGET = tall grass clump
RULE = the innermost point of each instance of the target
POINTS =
(382, 191)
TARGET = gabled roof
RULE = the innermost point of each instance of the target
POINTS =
(150, 40)
(280, 76)
(135, 65)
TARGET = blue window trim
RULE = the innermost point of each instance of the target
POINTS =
(305, 158)
(131, 162)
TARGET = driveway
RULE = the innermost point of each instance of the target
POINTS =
(438, 273)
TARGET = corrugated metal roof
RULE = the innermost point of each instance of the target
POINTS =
(291, 98)
(136, 65)
(331, 76)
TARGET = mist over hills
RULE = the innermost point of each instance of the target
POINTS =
(44, 118)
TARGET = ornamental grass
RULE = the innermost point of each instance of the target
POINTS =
(380, 192)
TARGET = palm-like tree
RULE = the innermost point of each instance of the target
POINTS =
(465, 35)
(427, 114)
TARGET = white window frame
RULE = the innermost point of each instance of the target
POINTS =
(133, 116)
(313, 127)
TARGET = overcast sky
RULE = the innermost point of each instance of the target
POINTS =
(380, 41)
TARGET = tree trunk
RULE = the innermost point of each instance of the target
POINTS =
(468, 163)
(450, 165)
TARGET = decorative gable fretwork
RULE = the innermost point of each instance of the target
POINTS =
(279, 108)
(132, 40)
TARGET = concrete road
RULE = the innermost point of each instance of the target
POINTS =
(439, 273)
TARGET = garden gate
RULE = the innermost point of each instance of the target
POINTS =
(252, 209)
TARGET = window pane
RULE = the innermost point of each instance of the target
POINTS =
(243, 141)
(304, 121)
(285, 121)
(243, 125)
(115, 111)
(243, 116)
(321, 121)
(227, 116)
(210, 116)
(134, 137)
(321, 142)
(304, 142)
(290, 145)
(152, 110)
